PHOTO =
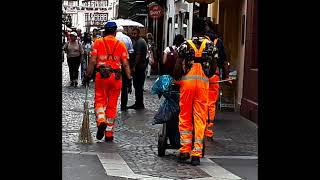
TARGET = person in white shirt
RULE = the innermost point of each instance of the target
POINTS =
(124, 38)
(126, 83)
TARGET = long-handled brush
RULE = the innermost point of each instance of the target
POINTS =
(85, 133)
(221, 81)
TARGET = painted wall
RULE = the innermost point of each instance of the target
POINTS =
(228, 15)
(241, 54)
(249, 101)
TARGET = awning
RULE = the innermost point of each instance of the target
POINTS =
(201, 1)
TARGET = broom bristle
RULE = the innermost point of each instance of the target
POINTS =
(85, 134)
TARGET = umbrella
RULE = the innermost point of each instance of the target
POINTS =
(127, 22)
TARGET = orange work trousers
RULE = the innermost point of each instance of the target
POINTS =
(107, 91)
(212, 101)
(193, 110)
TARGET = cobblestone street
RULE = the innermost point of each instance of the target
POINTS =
(136, 138)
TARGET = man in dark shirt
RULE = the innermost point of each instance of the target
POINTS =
(139, 68)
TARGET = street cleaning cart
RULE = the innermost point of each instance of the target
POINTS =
(168, 114)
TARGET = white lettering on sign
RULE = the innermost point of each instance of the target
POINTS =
(153, 13)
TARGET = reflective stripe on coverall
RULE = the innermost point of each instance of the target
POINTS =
(193, 107)
(212, 99)
(107, 90)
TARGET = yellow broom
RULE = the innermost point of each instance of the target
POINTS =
(85, 133)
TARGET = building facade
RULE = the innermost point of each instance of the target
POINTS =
(236, 24)
(89, 14)
(249, 100)
(178, 19)
(135, 10)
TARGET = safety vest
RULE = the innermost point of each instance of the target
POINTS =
(198, 52)
(110, 59)
(198, 56)
(110, 56)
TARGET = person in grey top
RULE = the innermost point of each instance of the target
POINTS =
(74, 51)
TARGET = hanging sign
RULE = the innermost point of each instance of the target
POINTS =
(155, 11)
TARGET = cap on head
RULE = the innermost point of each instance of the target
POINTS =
(74, 34)
(110, 28)
(110, 24)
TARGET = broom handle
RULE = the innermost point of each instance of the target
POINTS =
(87, 85)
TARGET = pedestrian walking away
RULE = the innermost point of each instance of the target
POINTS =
(126, 84)
(110, 56)
(170, 55)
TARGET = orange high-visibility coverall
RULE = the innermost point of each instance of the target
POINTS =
(193, 109)
(212, 99)
(107, 90)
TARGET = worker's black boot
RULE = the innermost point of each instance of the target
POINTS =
(183, 157)
(195, 160)
(107, 139)
(76, 84)
(71, 83)
(100, 133)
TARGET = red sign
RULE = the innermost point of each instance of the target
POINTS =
(155, 11)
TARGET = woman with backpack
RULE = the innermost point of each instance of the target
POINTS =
(87, 46)
(170, 55)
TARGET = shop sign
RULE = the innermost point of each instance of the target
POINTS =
(155, 11)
